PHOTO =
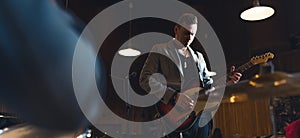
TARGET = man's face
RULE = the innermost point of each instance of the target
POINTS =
(185, 34)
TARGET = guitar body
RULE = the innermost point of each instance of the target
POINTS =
(187, 123)
(186, 118)
(183, 118)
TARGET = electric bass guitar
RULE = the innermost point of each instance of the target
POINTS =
(186, 118)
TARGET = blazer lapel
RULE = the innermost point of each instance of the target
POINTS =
(195, 57)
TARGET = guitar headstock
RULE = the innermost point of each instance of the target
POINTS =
(262, 58)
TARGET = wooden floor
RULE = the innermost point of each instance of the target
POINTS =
(247, 119)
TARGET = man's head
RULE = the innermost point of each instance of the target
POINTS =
(185, 33)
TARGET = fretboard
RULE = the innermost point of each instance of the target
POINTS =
(244, 67)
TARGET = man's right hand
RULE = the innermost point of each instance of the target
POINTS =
(184, 101)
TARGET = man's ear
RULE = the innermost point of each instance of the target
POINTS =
(176, 28)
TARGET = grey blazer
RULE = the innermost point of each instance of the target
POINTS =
(164, 59)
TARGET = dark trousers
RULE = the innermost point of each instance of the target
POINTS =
(194, 132)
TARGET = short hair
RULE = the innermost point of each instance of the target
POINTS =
(187, 18)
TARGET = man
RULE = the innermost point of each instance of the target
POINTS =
(178, 63)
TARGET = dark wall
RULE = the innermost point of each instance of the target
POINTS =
(240, 39)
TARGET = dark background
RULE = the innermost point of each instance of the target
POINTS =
(240, 39)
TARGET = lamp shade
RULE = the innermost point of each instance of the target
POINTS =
(129, 52)
(257, 12)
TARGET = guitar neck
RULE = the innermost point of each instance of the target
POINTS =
(244, 67)
(240, 69)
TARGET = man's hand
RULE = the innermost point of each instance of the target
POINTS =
(184, 101)
(234, 77)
